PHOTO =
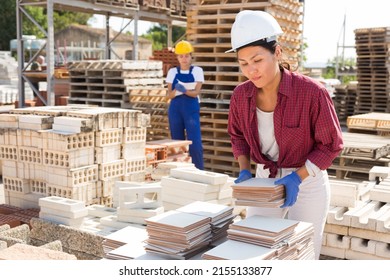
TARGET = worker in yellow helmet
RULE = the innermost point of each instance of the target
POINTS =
(184, 85)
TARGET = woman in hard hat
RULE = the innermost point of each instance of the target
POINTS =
(285, 122)
(184, 85)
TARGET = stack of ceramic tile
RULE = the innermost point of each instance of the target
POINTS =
(259, 237)
(125, 243)
(221, 216)
(186, 185)
(177, 235)
(259, 192)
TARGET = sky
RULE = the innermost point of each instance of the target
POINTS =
(323, 25)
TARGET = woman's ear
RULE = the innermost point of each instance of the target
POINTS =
(278, 52)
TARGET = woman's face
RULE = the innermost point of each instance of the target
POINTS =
(259, 65)
(184, 60)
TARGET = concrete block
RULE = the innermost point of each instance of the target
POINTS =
(65, 214)
(382, 249)
(200, 176)
(383, 220)
(98, 210)
(193, 195)
(333, 252)
(336, 215)
(381, 172)
(336, 229)
(370, 235)
(133, 150)
(365, 217)
(107, 153)
(146, 197)
(112, 221)
(363, 245)
(338, 241)
(139, 212)
(380, 192)
(76, 223)
(186, 185)
(62, 204)
(355, 255)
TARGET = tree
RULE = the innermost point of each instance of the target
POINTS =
(158, 35)
(8, 21)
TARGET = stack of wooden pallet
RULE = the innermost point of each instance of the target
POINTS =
(361, 152)
(372, 48)
(344, 101)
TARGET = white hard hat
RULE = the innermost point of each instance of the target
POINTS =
(251, 26)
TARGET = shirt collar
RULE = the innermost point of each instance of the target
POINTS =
(285, 82)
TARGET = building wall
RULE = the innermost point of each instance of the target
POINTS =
(84, 39)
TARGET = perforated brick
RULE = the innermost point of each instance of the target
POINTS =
(9, 152)
(67, 141)
(38, 186)
(16, 185)
(111, 169)
(108, 137)
(30, 155)
(69, 159)
(135, 165)
(72, 177)
(134, 134)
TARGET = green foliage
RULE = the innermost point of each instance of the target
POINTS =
(346, 77)
(8, 21)
(158, 35)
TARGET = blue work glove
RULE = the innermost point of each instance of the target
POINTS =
(181, 88)
(244, 175)
(291, 184)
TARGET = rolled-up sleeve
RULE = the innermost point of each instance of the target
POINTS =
(236, 126)
(327, 133)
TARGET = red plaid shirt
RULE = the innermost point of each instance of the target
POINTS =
(305, 122)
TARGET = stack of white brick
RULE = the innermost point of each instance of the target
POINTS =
(88, 149)
(186, 185)
(358, 224)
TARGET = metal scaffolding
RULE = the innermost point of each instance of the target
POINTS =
(135, 13)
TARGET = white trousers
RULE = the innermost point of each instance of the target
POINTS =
(312, 204)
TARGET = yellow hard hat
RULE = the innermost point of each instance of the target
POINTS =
(183, 47)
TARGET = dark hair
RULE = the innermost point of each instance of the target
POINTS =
(271, 46)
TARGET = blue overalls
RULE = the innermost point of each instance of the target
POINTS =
(184, 117)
